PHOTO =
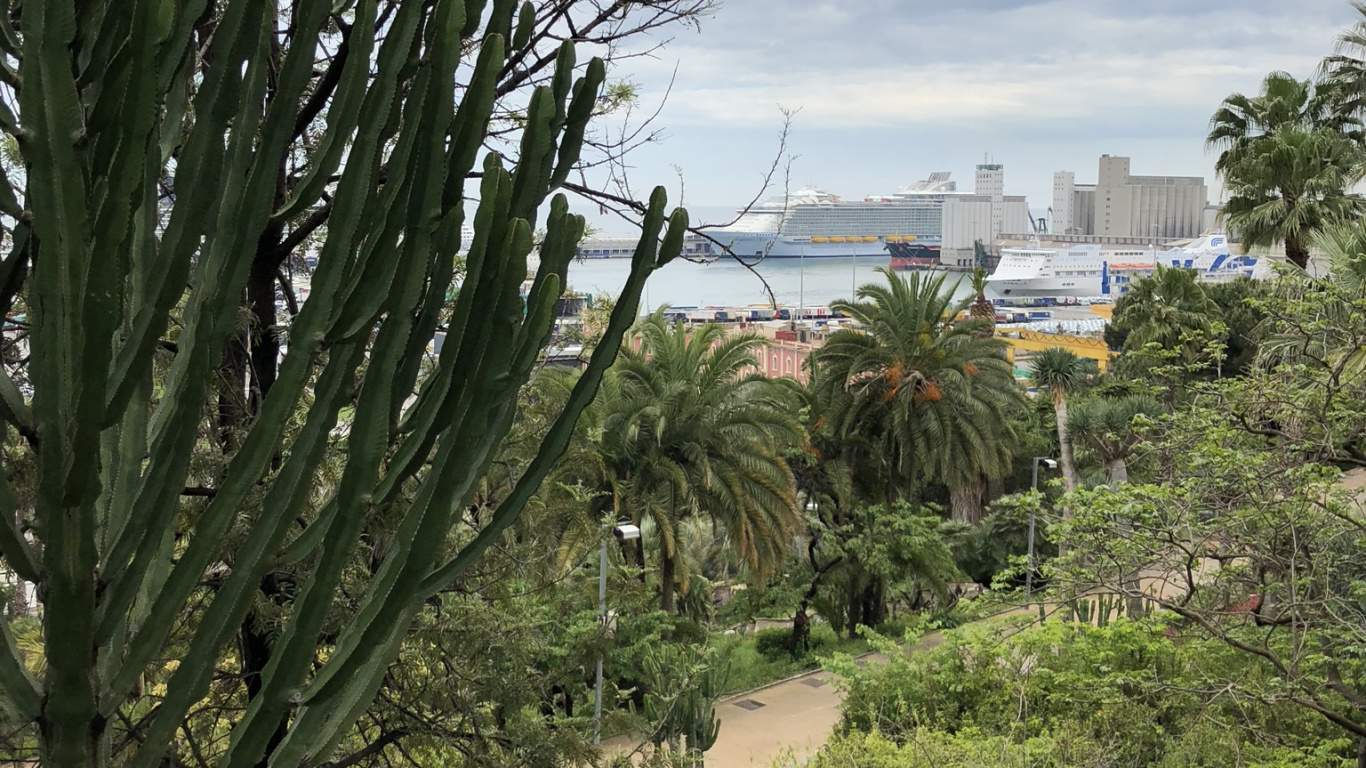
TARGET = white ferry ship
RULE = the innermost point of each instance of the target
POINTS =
(812, 223)
(1088, 271)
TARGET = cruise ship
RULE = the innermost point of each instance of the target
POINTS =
(811, 223)
(1087, 271)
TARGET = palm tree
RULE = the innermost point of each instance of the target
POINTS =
(701, 433)
(1338, 303)
(1163, 309)
(1344, 73)
(1107, 427)
(1288, 157)
(922, 388)
(1060, 371)
(982, 310)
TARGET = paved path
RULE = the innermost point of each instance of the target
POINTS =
(797, 715)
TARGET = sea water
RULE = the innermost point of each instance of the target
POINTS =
(814, 282)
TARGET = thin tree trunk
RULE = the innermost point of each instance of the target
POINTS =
(1069, 470)
(666, 580)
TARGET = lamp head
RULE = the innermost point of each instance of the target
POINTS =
(626, 532)
(1049, 464)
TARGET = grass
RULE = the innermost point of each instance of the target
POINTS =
(750, 668)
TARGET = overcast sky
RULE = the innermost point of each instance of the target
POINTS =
(890, 90)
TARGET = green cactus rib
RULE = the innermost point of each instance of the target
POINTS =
(345, 111)
(210, 309)
(351, 198)
(19, 687)
(466, 438)
(13, 409)
(370, 431)
(190, 680)
(580, 110)
(19, 555)
(175, 420)
(218, 102)
(623, 315)
(50, 105)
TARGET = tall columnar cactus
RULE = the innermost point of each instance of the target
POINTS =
(123, 100)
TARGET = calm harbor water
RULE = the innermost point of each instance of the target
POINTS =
(725, 283)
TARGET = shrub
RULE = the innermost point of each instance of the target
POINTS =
(773, 644)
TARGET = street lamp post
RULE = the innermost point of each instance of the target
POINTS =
(623, 531)
(1034, 484)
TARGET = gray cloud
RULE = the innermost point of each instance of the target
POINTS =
(890, 89)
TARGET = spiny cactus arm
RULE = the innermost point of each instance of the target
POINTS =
(585, 98)
(19, 555)
(19, 688)
(369, 437)
(439, 279)
(210, 310)
(345, 110)
(136, 549)
(218, 102)
(479, 405)
(293, 651)
(190, 680)
(344, 238)
(623, 316)
(9, 203)
(13, 409)
(435, 409)
(64, 506)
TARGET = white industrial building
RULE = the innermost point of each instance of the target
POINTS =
(1121, 205)
(983, 215)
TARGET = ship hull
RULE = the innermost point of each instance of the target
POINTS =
(755, 245)
(914, 255)
(1044, 288)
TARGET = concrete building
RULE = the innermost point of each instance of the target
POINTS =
(983, 215)
(1064, 186)
(1122, 205)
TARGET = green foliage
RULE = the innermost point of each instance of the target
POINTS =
(916, 393)
(750, 668)
(1205, 746)
(683, 429)
(1066, 693)
(898, 550)
(1289, 158)
(172, 161)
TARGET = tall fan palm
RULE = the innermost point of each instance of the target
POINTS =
(1288, 158)
(923, 387)
(700, 433)
(1345, 71)
(1060, 371)
(1163, 308)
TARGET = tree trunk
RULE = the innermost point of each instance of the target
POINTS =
(996, 488)
(1296, 253)
(1117, 472)
(666, 580)
(966, 501)
(1069, 470)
